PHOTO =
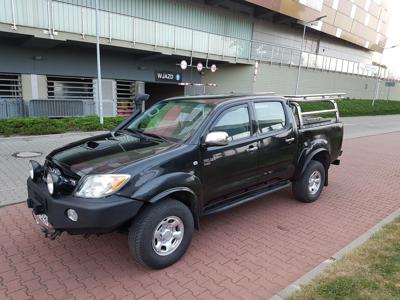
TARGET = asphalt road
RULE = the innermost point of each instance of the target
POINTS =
(364, 126)
(14, 171)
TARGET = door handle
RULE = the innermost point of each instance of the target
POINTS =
(289, 141)
(252, 149)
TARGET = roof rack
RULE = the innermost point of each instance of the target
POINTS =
(220, 96)
(241, 94)
(315, 97)
(330, 98)
(205, 96)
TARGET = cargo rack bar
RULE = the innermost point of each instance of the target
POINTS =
(329, 98)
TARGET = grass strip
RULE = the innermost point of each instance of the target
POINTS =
(39, 126)
(370, 272)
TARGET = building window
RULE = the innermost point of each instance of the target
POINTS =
(379, 26)
(10, 86)
(314, 4)
(335, 4)
(126, 93)
(367, 4)
(353, 11)
(69, 88)
(367, 17)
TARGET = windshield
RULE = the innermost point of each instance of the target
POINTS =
(172, 120)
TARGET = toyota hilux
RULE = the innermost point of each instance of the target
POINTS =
(158, 172)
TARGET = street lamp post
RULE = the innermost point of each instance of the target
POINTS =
(378, 79)
(301, 50)
(99, 87)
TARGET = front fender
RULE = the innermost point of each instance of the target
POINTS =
(185, 186)
(155, 189)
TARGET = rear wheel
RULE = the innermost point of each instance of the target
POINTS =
(161, 234)
(309, 187)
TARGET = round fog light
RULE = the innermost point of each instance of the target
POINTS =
(72, 215)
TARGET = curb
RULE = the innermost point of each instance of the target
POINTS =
(309, 276)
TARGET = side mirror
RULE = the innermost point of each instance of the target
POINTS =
(217, 138)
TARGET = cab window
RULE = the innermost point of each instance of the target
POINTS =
(235, 122)
(270, 116)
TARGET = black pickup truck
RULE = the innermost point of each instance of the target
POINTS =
(160, 170)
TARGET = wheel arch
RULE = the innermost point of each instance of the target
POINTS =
(322, 155)
(182, 186)
(184, 195)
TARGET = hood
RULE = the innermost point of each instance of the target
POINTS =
(105, 153)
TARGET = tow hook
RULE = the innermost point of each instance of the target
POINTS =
(46, 227)
(52, 235)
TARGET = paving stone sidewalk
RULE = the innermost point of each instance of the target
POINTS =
(14, 171)
(250, 252)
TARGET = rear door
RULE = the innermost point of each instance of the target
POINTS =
(229, 169)
(277, 140)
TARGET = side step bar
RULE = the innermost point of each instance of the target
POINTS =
(241, 200)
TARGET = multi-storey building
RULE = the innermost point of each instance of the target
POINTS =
(48, 57)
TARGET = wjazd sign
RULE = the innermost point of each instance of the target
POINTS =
(168, 76)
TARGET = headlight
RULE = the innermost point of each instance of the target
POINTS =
(31, 173)
(50, 183)
(35, 169)
(97, 186)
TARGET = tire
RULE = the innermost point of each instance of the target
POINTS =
(147, 236)
(303, 189)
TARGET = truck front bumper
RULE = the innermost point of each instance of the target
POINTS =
(93, 215)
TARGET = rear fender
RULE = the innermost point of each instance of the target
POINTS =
(318, 151)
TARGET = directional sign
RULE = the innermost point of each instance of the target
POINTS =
(168, 76)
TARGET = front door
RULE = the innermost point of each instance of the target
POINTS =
(229, 169)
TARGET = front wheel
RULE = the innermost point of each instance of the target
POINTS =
(161, 234)
(309, 187)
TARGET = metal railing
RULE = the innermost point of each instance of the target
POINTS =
(12, 108)
(142, 32)
(328, 98)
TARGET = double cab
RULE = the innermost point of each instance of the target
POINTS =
(158, 172)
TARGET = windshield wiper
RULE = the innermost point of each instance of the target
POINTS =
(155, 135)
(145, 135)
(135, 131)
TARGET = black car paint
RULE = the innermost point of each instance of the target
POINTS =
(95, 215)
(192, 172)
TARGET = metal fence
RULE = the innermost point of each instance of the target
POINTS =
(17, 108)
(60, 108)
(12, 108)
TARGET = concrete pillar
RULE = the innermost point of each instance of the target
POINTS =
(109, 97)
(139, 87)
(34, 86)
